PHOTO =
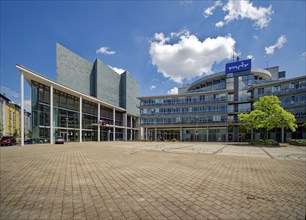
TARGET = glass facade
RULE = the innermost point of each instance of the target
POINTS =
(66, 118)
(40, 113)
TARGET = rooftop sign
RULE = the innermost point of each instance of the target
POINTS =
(238, 66)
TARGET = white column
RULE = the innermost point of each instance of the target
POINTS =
(207, 134)
(131, 122)
(4, 118)
(22, 108)
(155, 135)
(99, 122)
(81, 118)
(181, 134)
(114, 122)
(51, 115)
(125, 126)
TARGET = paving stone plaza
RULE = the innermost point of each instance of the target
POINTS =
(152, 180)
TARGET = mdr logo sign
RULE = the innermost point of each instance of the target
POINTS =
(238, 66)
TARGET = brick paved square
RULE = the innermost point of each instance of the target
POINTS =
(135, 180)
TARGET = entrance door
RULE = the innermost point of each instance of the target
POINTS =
(64, 135)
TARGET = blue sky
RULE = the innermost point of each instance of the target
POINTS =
(163, 44)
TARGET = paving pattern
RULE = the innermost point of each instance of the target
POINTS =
(136, 180)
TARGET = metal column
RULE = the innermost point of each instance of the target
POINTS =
(22, 107)
(99, 124)
(81, 119)
(51, 115)
(131, 120)
(114, 122)
(125, 138)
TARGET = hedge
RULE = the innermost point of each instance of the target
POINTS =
(265, 142)
(297, 142)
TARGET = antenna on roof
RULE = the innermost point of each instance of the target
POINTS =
(267, 64)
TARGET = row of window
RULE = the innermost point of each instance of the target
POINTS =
(185, 100)
(281, 88)
(41, 97)
(184, 110)
(185, 120)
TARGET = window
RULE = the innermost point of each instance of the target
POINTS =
(292, 99)
(295, 85)
(261, 91)
(276, 88)
(217, 118)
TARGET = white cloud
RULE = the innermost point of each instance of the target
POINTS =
(152, 87)
(244, 9)
(117, 70)
(173, 91)
(106, 51)
(27, 105)
(219, 24)
(303, 54)
(255, 37)
(161, 37)
(250, 57)
(279, 44)
(209, 11)
(189, 57)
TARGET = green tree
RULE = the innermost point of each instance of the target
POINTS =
(268, 114)
(29, 134)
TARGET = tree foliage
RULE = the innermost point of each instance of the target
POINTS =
(268, 114)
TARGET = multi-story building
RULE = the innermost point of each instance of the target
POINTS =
(87, 102)
(3, 101)
(207, 109)
(10, 117)
(12, 112)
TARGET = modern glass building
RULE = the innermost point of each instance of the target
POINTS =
(87, 102)
(207, 109)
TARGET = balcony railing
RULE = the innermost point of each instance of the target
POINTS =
(184, 102)
(282, 92)
(183, 113)
(184, 123)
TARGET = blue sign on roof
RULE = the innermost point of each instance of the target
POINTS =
(238, 66)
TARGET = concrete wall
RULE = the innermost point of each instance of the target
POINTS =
(97, 80)
(129, 91)
(108, 84)
(72, 70)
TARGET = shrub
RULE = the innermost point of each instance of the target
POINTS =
(173, 140)
(265, 142)
(297, 142)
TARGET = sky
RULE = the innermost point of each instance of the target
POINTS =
(163, 44)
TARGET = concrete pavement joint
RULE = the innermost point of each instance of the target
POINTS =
(267, 153)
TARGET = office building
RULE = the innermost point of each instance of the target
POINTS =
(87, 101)
(10, 118)
(207, 109)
